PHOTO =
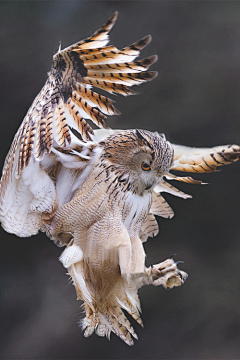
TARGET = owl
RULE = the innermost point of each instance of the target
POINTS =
(97, 192)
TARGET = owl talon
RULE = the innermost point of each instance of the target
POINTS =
(167, 274)
(180, 275)
(171, 257)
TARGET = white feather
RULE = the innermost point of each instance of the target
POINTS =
(71, 255)
(165, 187)
(137, 203)
(79, 278)
(29, 196)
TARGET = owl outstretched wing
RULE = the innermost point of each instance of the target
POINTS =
(66, 102)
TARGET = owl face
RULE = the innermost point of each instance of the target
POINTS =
(142, 156)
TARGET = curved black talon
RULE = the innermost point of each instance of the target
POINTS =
(179, 262)
(151, 266)
(180, 275)
(170, 257)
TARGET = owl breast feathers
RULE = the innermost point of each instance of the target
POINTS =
(98, 193)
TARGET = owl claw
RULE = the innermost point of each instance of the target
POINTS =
(167, 274)
(180, 275)
(170, 257)
(179, 262)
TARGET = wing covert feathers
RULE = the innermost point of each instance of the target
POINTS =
(67, 100)
(149, 228)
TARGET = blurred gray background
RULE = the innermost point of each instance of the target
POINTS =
(195, 101)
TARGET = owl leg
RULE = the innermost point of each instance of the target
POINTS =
(165, 273)
(137, 257)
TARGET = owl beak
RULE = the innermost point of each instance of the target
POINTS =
(149, 185)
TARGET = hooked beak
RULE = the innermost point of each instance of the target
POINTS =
(149, 185)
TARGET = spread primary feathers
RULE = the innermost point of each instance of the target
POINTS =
(98, 196)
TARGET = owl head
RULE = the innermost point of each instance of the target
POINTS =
(139, 158)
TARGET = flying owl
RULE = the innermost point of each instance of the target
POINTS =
(97, 192)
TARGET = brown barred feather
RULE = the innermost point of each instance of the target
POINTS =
(30, 145)
(109, 87)
(138, 45)
(136, 66)
(25, 146)
(82, 124)
(100, 56)
(95, 50)
(106, 56)
(39, 145)
(65, 129)
(99, 36)
(160, 207)
(49, 131)
(59, 137)
(62, 126)
(103, 103)
(22, 141)
(95, 115)
(149, 228)
(127, 79)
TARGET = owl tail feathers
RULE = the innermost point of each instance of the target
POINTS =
(112, 319)
(104, 311)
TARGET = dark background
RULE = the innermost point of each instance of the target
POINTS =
(195, 101)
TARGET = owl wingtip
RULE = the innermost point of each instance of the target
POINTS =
(148, 39)
(154, 58)
(152, 75)
(114, 17)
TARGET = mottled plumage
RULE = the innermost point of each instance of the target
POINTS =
(98, 194)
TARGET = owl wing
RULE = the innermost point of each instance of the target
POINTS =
(32, 184)
(200, 160)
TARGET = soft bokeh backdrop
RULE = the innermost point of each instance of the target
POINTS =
(195, 101)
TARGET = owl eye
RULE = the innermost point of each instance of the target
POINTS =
(145, 166)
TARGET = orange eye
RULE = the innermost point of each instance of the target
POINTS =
(145, 166)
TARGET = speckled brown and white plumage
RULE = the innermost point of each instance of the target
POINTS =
(117, 197)
(94, 195)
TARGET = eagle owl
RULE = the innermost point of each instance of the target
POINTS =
(97, 192)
